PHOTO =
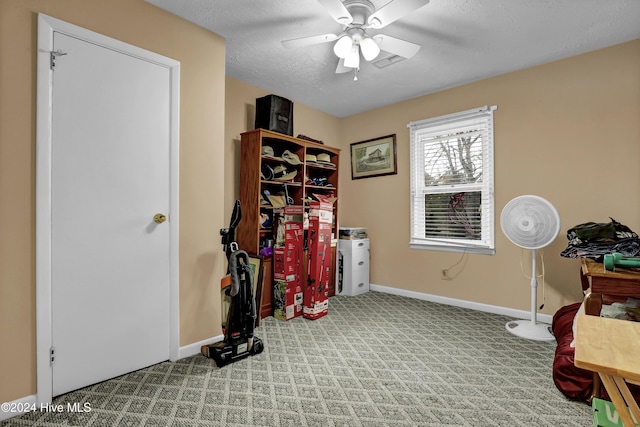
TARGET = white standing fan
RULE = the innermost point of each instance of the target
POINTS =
(530, 222)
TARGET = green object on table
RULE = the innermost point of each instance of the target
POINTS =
(611, 261)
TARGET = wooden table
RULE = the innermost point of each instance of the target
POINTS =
(611, 347)
(607, 286)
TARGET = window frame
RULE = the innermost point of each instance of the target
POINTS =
(428, 129)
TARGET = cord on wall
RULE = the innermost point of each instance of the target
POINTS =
(541, 275)
(446, 272)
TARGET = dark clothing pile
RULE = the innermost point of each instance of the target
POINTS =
(594, 240)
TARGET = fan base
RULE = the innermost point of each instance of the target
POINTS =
(528, 329)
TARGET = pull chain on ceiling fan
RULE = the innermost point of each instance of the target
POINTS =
(358, 16)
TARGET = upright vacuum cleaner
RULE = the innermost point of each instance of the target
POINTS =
(239, 341)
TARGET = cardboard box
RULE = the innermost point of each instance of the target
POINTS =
(605, 414)
(288, 292)
(316, 293)
(288, 298)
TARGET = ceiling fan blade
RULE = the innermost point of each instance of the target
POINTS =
(341, 68)
(307, 41)
(393, 11)
(396, 46)
(337, 11)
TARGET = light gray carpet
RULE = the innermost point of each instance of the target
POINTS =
(375, 360)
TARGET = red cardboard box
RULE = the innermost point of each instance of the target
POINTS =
(287, 263)
(287, 299)
(316, 293)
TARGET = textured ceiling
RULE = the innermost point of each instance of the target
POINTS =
(462, 41)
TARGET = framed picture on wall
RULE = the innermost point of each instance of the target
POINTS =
(374, 157)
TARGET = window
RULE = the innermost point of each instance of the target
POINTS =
(452, 201)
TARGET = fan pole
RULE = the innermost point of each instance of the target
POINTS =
(531, 329)
(534, 288)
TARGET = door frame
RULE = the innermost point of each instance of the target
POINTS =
(47, 26)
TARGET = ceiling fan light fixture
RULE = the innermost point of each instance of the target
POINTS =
(370, 49)
(353, 59)
(343, 47)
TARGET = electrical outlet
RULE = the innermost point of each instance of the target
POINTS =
(445, 274)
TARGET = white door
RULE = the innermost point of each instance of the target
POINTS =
(110, 262)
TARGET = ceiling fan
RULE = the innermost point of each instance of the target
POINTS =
(359, 16)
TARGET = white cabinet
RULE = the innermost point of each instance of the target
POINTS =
(352, 274)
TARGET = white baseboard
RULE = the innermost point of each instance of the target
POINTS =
(194, 348)
(495, 309)
(18, 407)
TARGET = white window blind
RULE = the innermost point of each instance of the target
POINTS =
(452, 200)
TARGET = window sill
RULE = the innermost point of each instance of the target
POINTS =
(451, 248)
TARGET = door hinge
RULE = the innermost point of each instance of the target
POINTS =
(52, 355)
(52, 57)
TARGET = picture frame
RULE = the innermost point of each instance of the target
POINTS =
(255, 262)
(374, 157)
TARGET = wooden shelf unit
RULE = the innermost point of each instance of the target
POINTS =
(250, 236)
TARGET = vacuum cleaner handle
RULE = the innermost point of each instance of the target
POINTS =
(236, 216)
(229, 234)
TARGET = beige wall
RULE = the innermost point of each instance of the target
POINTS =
(241, 114)
(565, 131)
(568, 131)
(202, 263)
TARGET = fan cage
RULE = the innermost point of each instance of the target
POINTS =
(530, 222)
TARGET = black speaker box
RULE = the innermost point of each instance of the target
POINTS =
(274, 113)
